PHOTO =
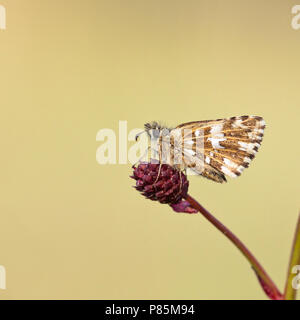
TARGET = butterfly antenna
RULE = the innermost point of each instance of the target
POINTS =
(138, 135)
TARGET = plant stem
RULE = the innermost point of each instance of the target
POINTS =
(267, 283)
(289, 292)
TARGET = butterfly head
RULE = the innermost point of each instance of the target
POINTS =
(154, 130)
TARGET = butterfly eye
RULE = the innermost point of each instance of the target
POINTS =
(155, 133)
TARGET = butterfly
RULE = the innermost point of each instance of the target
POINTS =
(213, 149)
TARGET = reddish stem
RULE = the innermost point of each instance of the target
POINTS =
(268, 285)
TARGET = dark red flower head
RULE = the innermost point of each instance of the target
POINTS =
(160, 182)
(163, 183)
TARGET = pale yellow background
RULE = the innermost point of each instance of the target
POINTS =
(70, 228)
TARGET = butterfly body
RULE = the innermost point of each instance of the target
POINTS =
(211, 148)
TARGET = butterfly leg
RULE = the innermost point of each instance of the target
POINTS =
(158, 174)
(159, 169)
(160, 164)
(180, 178)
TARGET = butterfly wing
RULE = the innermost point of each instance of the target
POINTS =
(229, 145)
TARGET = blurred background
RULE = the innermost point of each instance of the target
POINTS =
(74, 229)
